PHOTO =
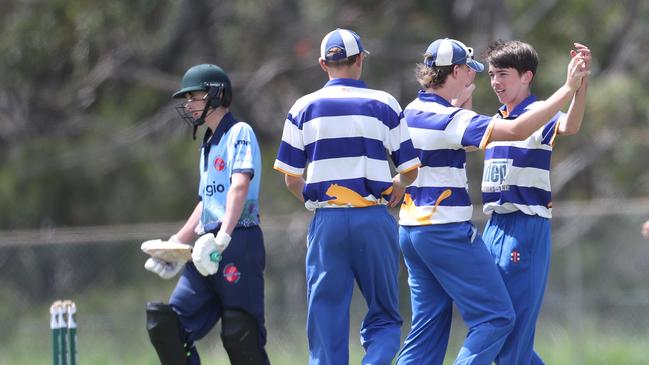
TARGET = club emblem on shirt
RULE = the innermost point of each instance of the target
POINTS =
(231, 273)
(515, 256)
(219, 164)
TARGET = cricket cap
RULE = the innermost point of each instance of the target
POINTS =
(447, 52)
(347, 40)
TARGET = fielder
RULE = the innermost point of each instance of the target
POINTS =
(446, 258)
(224, 280)
(342, 135)
(516, 189)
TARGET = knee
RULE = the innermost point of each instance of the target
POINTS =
(241, 339)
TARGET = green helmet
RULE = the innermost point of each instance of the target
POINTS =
(209, 78)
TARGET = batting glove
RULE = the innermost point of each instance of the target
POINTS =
(206, 254)
(164, 269)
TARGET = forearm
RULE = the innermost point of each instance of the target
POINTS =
(523, 126)
(188, 231)
(235, 201)
(295, 184)
(573, 119)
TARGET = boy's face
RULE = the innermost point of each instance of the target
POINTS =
(510, 87)
(195, 103)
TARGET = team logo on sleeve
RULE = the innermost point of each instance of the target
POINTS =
(219, 164)
(231, 274)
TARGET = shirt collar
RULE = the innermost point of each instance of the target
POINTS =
(518, 109)
(426, 96)
(346, 82)
(224, 125)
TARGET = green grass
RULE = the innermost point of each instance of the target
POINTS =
(113, 332)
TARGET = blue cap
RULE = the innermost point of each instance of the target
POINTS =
(347, 40)
(447, 52)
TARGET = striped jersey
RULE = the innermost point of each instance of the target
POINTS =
(441, 134)
(516, 175)
(232, 148)
(342, 135)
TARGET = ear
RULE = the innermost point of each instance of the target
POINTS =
(323, 64)
(527, 77)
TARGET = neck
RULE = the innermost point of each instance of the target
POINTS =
(445, 92)
(519, 99)
(215, 117)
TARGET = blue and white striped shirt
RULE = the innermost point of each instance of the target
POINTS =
(441, 134)
(342, 135)
(517, 174)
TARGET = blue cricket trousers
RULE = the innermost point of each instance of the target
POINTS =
(199, 301)
(347, 245)
(521, 246)
(449, 263)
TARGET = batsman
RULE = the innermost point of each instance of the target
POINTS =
(222, 278)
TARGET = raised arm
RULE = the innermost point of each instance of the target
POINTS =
(571, 122)
(523, 126)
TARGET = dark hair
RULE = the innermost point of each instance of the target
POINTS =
(512, 54)
(432, 76)
(341, 62)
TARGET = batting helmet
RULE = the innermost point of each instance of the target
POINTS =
(209, 78)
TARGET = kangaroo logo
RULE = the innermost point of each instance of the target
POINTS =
(343, 196)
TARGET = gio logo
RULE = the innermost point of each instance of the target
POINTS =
(214, 188)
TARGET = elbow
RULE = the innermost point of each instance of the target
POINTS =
(409, 177)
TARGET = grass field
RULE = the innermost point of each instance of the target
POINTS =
(113, 332)
(123, 340)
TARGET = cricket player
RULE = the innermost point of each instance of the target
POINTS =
(516, 189)
(446, 258)
(342, 135)
(229, 287)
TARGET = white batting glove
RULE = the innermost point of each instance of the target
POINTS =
(206, 254)
(164, 269)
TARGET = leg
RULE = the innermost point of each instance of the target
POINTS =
(239, 332)
(375, 262)
(465, 269)
(523, 257)
(240, 283)
(432, 310)
(329, 288)
(166, 335)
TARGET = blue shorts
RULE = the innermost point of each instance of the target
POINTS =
(521, 247)
(347, 245)
(199, 301)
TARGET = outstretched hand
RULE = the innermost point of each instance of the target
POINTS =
(577, 70)
(584, 52)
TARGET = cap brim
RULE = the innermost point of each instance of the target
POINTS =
(475, 65)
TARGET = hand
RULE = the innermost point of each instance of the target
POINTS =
(584, 52)
(465, 97)
(396, 191)
(576, 72)
(164, 269)
(206, 254)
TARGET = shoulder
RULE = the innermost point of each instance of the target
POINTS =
(383, 97)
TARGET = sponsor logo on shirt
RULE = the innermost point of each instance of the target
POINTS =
(219, 164)
(213, 188)
(495, 172)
